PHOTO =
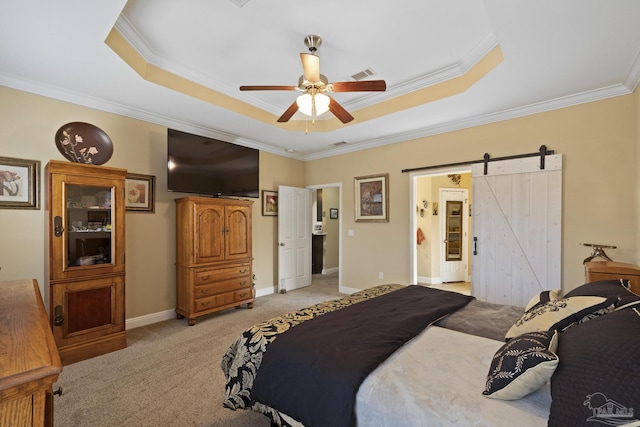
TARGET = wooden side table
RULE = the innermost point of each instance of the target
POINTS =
(610, 270)
(29, 360)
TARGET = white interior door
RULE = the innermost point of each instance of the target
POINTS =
(517, 217)
(294, 238)
(453, 236)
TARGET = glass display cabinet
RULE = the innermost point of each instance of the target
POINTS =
(85, 260)
(453, 231)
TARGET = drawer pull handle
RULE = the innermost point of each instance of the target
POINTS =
(58, 318)
(205, 277)
(243, 271)
(206, 304)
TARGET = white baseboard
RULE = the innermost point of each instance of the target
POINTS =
(264, 291)
(347, 290)
(148, 319)
(330, 270)
(430, 280)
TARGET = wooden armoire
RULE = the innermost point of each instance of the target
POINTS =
(213, 255)
(85, 259)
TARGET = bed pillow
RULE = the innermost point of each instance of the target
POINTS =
(608, 289)
(599, 372)
(522, 365)
(544, 296)
(560, 314)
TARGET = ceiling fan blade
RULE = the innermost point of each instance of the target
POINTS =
(293, 108)
(310, 67)
(268, 87)
(361, 86)
(339, 111)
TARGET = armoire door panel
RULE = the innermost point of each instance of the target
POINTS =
(210, 222)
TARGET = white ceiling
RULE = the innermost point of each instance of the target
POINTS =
(555, 54)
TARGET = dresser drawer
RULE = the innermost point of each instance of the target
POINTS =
(214, 301)
(203, 291)
(244, 294)
(208, 275)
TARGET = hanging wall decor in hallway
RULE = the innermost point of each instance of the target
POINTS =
(372, 198)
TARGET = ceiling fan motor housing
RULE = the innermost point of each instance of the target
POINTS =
(312, 42)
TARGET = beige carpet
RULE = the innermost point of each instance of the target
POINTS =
(169, 375)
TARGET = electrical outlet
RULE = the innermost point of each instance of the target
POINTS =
(381, 275)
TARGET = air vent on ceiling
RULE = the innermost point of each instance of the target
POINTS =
(337, 144)
(363, 74)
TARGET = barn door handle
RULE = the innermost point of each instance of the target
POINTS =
(475, 245)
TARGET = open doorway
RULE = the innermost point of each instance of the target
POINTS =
(326, 251)
(428, 237)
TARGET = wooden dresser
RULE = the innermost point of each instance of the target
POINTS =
(29, 360)
(609, 270)
(213, 255)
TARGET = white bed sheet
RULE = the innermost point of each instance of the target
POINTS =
(437, 379)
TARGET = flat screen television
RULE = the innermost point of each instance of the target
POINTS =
(210, 167)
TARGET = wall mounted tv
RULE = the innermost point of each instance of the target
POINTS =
(210, 167)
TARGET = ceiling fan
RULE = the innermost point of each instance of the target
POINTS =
(314, 100)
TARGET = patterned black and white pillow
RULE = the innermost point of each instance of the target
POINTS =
(543, 297)
(560, 314)
(522, 365)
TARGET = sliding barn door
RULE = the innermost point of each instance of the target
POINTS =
(517, 218)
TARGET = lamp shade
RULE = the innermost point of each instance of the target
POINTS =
(305, 103)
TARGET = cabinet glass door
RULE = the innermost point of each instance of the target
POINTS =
(89, 224)
(454, 231)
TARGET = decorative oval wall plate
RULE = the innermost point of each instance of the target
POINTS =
(84, 143)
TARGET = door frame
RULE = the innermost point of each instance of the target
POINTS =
(337, 185)
(414, 200)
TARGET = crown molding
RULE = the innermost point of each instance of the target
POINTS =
(123, 110)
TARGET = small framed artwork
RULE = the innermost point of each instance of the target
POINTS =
(269, 203)
(372, 198)
(333, 213)
(140, 190)
(19, 183)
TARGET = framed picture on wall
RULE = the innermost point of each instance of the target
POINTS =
(269, 203)
(333, 213)
(140, 190)
(372, 198)
(19, 183)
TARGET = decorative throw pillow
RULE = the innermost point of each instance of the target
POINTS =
(544, 296)
(597, 380)
(560, 314)
(522, 365)
(608, 289)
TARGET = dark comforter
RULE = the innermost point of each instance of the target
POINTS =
(313, 371)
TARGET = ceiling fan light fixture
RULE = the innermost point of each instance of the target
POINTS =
(305, 104)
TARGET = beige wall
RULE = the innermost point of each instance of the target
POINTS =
(331, 199)
(599, 142)
(28, 124)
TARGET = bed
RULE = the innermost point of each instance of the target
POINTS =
(562, 360)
